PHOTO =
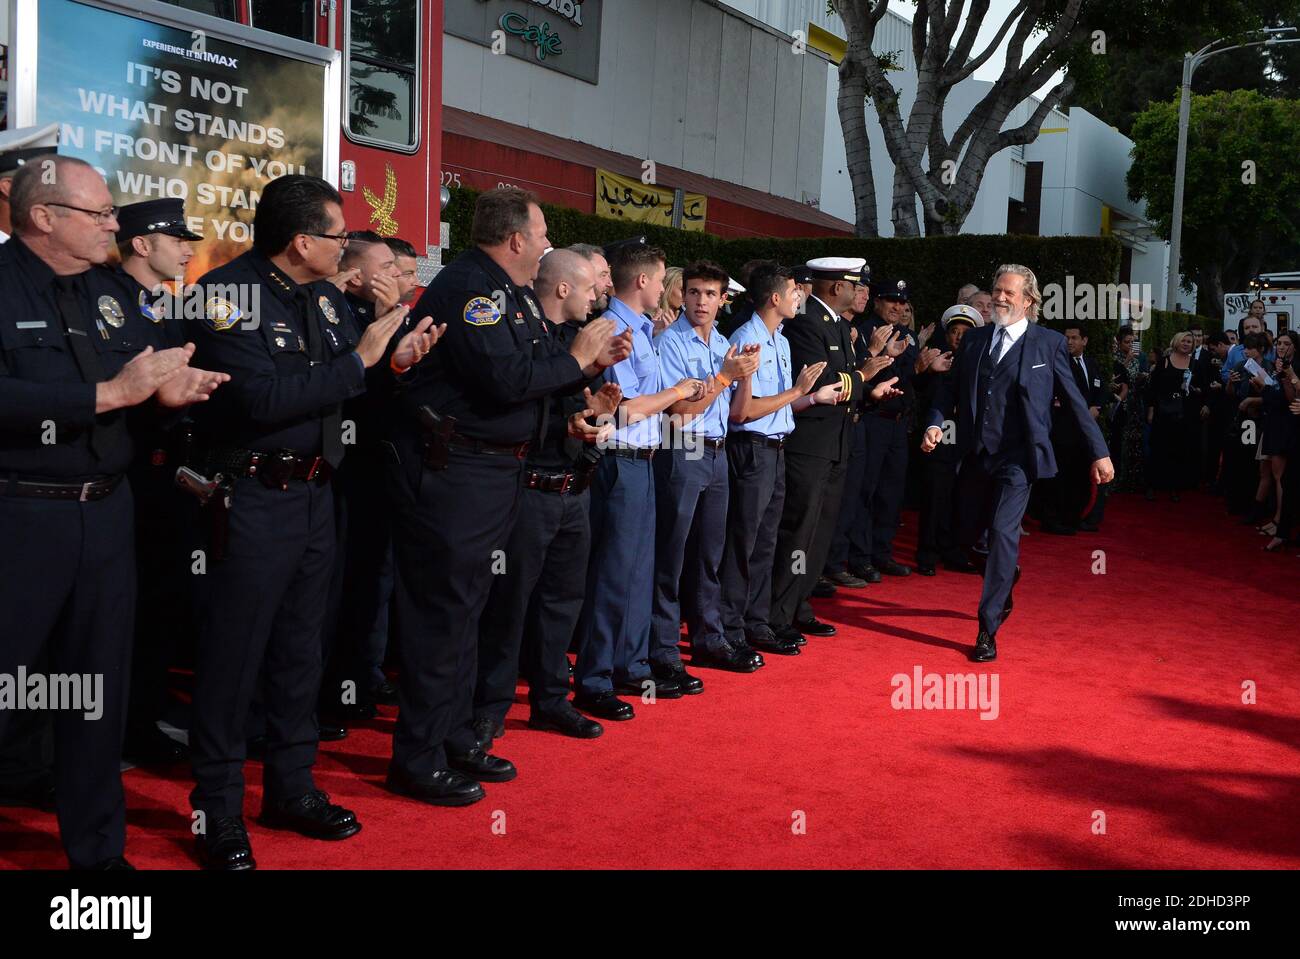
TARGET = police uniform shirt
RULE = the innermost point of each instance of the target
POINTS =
(555, 451)
(277, 395)
(683, 354)
(495, 362)
(772, 377)
(904, 367)
(163, 311)
(47, 408)
(638, 375)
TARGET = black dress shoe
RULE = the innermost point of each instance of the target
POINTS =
(823, 588)
(771, 643)
(311, 814)
(486, 730)
(604, 705)
(893, 568)
(814, 627)
(385, 694)
(483, 766)
(113, 864)
(790, 634)
(332, 732)
(688, 684)
(224, 846)
(745, 649)
(925, 570)
(868, 572)
(848, 580)
(566, 720)
(665, 688)
(150, 746)
(986, 648)
(729, 659)
(442, 788)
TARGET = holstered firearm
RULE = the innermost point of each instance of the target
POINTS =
(438, 430)
(215, 495)
(584, 468)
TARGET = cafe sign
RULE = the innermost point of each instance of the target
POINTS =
(561, 35)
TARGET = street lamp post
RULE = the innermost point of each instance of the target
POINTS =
(1190, 62)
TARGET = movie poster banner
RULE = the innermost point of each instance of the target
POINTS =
(169, 112)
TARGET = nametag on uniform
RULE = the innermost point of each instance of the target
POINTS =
(1096, 382)
(834, 347)
(31, 325)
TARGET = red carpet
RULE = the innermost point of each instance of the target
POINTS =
(1119, 693)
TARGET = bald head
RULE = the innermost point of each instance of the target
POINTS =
(566, 285)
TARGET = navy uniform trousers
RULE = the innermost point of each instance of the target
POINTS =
(262, 603)
(67, 584)
(849, 523)
(614, 630)
(451, 529)
(757, 474)
(534, 606)
(884, 479)
(691, 490)
(814, 488)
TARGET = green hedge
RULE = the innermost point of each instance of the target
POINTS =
(934, 267)
(1165, 323)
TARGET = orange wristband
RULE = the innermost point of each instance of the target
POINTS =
(723, 380)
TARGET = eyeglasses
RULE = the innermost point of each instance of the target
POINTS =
(98, 217)
(341, 237)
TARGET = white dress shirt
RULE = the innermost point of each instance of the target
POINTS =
(1010, 334)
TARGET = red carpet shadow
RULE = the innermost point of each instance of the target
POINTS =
(1246, 719)
(1187, 801)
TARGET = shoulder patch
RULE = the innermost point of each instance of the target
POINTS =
(481, 311)
(221, 314)
(147, 310)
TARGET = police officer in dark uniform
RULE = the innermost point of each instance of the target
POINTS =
(153, 243)
(534, 605)
(355, 636)
(871, 541)
(462, 430)
(272, 440)
(74, 356)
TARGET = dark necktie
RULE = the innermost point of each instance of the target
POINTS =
(999, 337)
(87, 360)
(332, 421)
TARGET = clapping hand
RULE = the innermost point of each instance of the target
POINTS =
(808, 376)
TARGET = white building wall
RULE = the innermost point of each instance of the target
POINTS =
(686, 83)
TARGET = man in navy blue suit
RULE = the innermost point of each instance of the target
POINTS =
(1004, 378)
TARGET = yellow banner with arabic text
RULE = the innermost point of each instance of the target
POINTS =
(624, 198)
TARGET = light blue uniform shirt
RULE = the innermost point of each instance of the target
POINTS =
(773, 376)
(683, 354)
(638, 375)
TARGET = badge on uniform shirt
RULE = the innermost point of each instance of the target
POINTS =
(146, 309)
(533, 308)
(327, 308)
(111, 311)
(481, 311)
(280, 342)
(222, 314)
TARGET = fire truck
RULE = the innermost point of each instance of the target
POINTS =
(210, 99)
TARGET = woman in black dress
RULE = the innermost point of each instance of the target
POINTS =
(1173, 410)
